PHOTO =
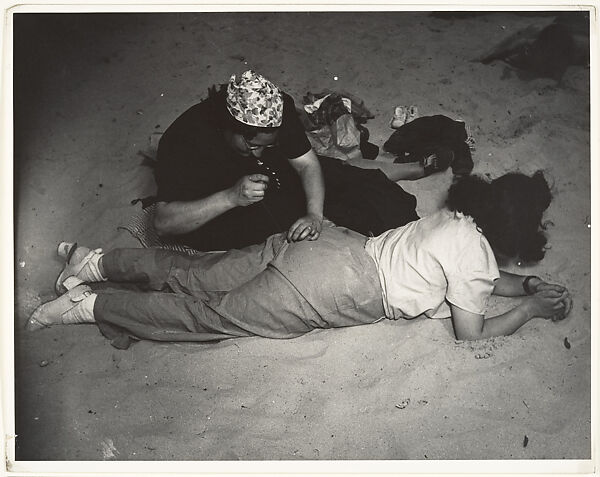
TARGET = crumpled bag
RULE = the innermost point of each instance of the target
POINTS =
(340, 139)
(333, 125)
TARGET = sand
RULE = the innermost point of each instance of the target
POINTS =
(90, 92)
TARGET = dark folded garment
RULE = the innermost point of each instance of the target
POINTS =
(364, 200)
(427, 135)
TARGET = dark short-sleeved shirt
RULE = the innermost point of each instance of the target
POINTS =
(195, 161)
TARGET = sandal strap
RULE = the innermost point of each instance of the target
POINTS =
(70, 276)
(72, 282)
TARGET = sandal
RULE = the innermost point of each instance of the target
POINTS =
(412, 113)
(399, 118)
(65, 309)
(76, 259)
(66, 249)
(403, 115)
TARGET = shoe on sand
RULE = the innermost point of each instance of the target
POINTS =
(403, 115)
(412, 112)
(75, 306)
(399, 118)
(81, 266)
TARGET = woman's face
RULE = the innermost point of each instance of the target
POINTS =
(252, 147)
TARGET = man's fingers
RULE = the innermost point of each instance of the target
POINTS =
(262, 186)
(258, 178)
(299, 231)
(305, 227)
(253, 192)
(291, 231)
(304, 233)
(256, 187)
(314, 235)
(316, 232)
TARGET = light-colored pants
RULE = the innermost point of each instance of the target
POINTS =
(276, 290)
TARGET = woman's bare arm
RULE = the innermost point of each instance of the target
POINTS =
(547, 304)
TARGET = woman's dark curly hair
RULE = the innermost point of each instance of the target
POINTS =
(508, 211)
(226, 121)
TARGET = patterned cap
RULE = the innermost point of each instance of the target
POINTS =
(254, 100)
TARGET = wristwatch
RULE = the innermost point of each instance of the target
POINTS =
(526, 287)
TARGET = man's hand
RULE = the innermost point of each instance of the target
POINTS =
(249, 190)
(307, 227)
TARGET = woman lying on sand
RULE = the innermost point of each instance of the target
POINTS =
(439, 266)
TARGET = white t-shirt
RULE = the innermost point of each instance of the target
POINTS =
(427, 263)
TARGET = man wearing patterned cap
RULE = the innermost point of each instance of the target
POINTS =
(238, 167)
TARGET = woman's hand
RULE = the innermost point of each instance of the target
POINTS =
(307, 227)
(551, 302)
(538, 285)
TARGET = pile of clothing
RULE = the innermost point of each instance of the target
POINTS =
(433, 135)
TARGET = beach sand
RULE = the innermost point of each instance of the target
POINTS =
(91, 92)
